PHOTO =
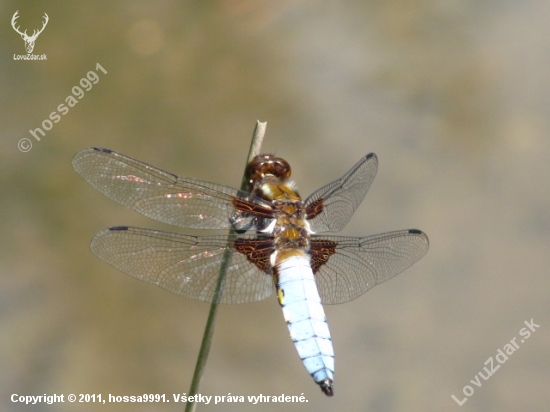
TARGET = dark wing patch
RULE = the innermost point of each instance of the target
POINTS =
(257, 251)
(321, 250)
(314, 208)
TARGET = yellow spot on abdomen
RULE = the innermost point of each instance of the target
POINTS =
(280, 296)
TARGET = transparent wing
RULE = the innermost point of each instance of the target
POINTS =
(330, 208)
(346, 267)
(159, 195)
(186, 265)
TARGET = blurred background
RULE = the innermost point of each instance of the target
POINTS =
(452, 96)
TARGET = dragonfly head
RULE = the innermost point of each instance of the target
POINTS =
(267, 165)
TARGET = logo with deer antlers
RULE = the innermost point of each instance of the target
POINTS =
(29, 40)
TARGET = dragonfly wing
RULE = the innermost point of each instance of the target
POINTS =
(330, 208)
(346, 267)
(163, 196)
(182, 264)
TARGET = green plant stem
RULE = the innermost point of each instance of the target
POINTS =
(207, 337)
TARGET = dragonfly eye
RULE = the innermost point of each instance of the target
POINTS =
(265, 165)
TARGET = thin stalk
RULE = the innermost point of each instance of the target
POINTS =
(255, 146)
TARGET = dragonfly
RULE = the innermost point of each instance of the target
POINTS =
(273, 245)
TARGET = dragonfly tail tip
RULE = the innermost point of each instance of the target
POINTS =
(326, 387)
